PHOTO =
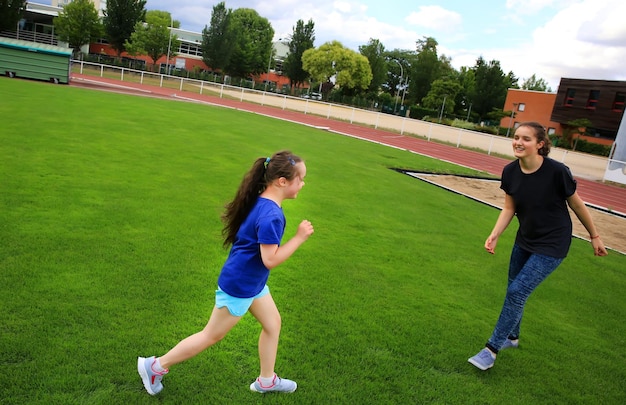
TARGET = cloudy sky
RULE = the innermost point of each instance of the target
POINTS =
(550, 38)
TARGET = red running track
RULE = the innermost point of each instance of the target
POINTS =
(603, 196)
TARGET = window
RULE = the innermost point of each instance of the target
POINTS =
(569, 97)
(551, 131)
(618, 103)
(189, 48)
(279, 66)
(592, 101)
(521, 107)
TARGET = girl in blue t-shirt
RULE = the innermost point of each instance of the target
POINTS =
(254, 226)
(538, 190)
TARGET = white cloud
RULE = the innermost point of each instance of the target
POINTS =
(435, 18)
(530, 7)
(604, 25)
(585, 39)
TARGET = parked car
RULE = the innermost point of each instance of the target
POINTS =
(313, 96)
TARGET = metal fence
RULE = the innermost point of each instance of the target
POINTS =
(31, 36)
(582, 165)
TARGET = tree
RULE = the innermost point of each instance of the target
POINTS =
(490, 87)
(578, 126)
(11, 12)
(532, 83)
(301, 40)
(165, 16)
(425, 70)
(154, 37)
(396, 74)
(78, 24)
(351, 70)
(442, 95)
(216, 42)
(374, 51)
(120, 18)
(252, 44)
(467, 80)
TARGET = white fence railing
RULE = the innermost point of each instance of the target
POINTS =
(31, 36)
(581, 164)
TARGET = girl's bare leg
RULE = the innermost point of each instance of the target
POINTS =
(265, 311)
(220, 323)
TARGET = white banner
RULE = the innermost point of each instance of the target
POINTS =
(616, 169)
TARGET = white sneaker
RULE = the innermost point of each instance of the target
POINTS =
(278, 385)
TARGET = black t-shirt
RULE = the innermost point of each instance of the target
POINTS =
(545, 226)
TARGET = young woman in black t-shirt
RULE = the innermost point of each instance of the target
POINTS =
(538, 190)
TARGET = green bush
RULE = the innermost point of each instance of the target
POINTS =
(457, 123)
(418, 112)
(582, 145)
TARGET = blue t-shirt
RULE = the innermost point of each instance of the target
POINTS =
(244, 275)
(545, 226)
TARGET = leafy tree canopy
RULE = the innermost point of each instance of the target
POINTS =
(120, 18)
(252, 46)
(537, 84)
(397, 70)
(216, 40)
(11, 12)
(374, 51)
(442, 89)
(165, 16)
(153, 38)
(574, 127)
(301, 40)
(78, 24)
(350, 69)
(490, 87)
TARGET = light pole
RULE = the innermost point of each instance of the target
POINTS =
(269, 64)
(406, 84)
(442, 107)
(399, 84)
(511, 120)
(169, 45)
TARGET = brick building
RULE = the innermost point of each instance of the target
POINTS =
(599, 101)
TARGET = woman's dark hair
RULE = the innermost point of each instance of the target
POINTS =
(263, 172)
(540, 134)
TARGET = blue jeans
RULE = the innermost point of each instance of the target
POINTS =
(526, 271)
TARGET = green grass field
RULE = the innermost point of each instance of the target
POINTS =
(111, 245)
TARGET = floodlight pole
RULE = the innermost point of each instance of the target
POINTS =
(406, 84)
(399, 84)
(269, 64)
(511, 120)
(442, 107)
(169, 45)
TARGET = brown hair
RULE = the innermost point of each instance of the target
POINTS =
(540, 134)
(263, 172)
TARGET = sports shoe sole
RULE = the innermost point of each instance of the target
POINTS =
(478, 365)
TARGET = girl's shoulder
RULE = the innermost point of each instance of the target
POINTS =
(511, 167)
(265, 207)
(266, 204)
